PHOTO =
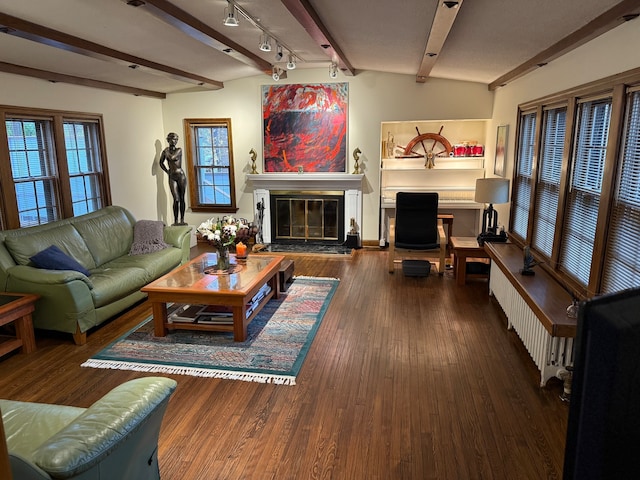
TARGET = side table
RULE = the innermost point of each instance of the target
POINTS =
(16, 308)
(464, 248)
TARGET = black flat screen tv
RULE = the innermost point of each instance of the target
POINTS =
(603, 431)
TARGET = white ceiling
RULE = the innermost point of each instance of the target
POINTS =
(489, 38)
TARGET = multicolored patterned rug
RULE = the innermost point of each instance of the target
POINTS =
(277, 343)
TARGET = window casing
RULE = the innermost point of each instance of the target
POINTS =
(53, 166)
(210, 165)
(584, 220)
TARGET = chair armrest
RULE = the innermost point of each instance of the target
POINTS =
(442, 236)
(103, 426)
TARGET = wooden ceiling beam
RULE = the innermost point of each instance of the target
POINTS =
(54, 77)
(191, 26)
(446, 13)
(305, 14)
(624, 11)
(53, 38)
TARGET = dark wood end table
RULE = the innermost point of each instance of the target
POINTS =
(16, 308)
(464, 248)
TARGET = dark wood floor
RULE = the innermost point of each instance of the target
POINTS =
(407, 378)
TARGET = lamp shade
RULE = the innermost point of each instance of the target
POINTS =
(492, 190)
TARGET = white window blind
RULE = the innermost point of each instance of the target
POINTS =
(83, 160)
(622, 261)
(587, 167)
(33, 167)
(522, 184)
(548, 186)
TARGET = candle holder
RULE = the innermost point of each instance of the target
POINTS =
(253, 155)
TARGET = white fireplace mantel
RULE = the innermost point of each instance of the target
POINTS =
(264, 183)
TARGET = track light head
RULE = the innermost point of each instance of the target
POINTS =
(278, 74)
(279, 55)
(291, 64)
(230, 19)
(265, 43)
(333, 70)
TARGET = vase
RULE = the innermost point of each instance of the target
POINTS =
(223, 258)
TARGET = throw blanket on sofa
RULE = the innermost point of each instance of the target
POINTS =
(147, 237)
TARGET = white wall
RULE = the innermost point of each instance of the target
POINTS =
(614, 52)
(133, 130)
(373, 98)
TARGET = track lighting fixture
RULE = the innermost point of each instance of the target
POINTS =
(277, 73)
(291, 64)
(333, 70)
(265, 43)
(279, 55)
(230, 19)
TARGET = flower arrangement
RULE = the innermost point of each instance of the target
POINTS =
(221, 233)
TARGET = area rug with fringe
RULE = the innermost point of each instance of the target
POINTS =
(277, 343)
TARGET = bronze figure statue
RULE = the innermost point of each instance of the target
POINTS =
(177, 178)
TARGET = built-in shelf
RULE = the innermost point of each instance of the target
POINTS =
(453, 178)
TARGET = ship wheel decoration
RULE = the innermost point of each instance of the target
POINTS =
(428, 145)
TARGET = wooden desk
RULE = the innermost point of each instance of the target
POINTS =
(16, 308)
(464, 248)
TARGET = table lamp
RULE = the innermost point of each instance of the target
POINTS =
(491, 190)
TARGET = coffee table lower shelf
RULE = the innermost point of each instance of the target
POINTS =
(238, 327)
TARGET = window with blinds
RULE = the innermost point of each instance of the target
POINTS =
(210, 159)
(583, 201)
(521, 195)
(83, 161)
(548, 183)
(57, 166)
(33, 166)
(622, 262)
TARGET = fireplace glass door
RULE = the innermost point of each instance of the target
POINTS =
(316, 218)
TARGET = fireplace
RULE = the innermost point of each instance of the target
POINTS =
(344, 185)
(314, 217)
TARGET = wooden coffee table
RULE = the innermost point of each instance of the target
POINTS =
(189, 284)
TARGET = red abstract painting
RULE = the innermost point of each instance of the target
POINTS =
(305, 127)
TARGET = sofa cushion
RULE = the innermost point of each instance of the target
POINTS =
(25, 243)
(148, 237)
(111, 284)
(155, 264)
(108, 234)
(52, 258)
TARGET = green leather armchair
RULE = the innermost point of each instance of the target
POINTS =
(115, 438)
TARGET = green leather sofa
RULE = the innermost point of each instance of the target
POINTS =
(115, 438)
(100, 242)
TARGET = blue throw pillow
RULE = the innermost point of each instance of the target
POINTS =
(53, 258)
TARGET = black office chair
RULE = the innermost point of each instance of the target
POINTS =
(416, 229)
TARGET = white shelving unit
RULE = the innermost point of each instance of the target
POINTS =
(453, 178)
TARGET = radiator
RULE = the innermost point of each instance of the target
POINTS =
(550, 354)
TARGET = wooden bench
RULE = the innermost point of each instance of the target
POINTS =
(285, 274)
(536, 308)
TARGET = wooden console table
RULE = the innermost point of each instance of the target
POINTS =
(536, 308)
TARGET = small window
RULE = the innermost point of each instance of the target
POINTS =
(210, 163)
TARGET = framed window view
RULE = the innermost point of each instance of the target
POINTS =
(501, 150)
